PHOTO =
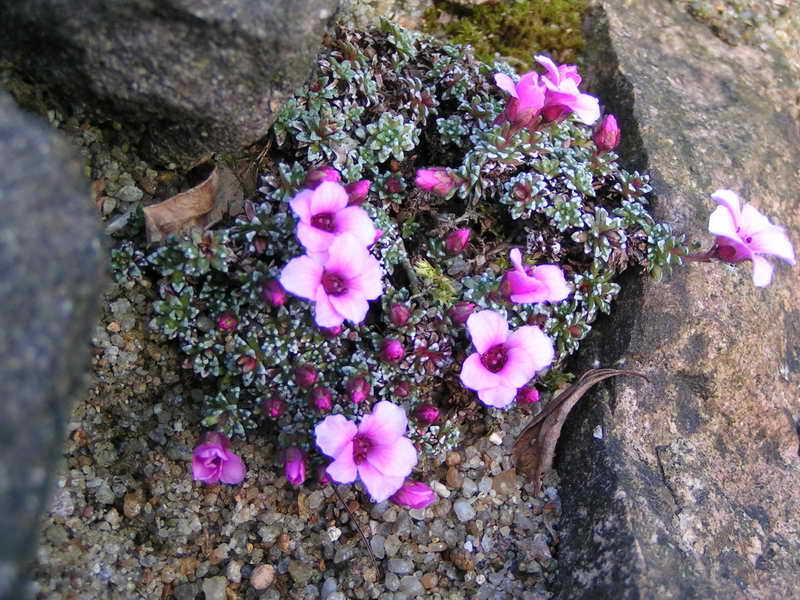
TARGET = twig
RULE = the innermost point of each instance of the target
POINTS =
(358, 527)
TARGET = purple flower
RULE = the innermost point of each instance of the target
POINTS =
(273, 293)
(295, 466)
(324, 215)
(375, 451)
(322, 398)
(461, 311)
(305, 375)
(399, 315)
(562, 96)
(212, 461)
(543, 283)
(357, 192)
(504, 361)
(358, 389)
(414, 494)
(438, 180)
(425, 414)
(227, 321)
(341, 285)
(392, 350)
(746, 234)
(527, 98)
(456, 241)
(274, 406)
(318, 175)
(606, 136)
(527, 395)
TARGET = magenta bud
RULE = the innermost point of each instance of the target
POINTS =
(319, 174)
(322, 398)
(527, 395)
(295, 466)
(399, 315)
(607, 135)
(461, 311)
(227, 321)
(425, 414)
(274, 407)
(358, 389)
(392, 350)
(305, 375)
(393, 186)
(414, 494)
(273, 293)
(357, 192)
(331, 332)
(402, 388)
(456, 241)
(437, 180)
(322, 475)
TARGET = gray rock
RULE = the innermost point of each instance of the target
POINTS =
(187, 591)
(411, 585)
(464, 512)
(301, 572)
(692, 491)
(214, 587)
(392, 545)
(376, 542)
(210, 73)
(50, 278)
(401, 566)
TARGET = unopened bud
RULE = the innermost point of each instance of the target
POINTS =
(456, 241)
(415, 495)
(399, 315)
(357, 192)
(358, 389)
(322, 475)
(437, 180)
(402, 388)
(295, 466)
(305, 375)
(319, 174)
(425, 414)
(461, 311)
(393, 185)
(227, 321)
(392, 350)
(273, 293)
(606, 136)
(322, 398)
(248, 363)
(527, 395)
(274, 406)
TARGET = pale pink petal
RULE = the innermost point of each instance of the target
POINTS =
(762, 271)
(518, 370)
(498, 397)
(773, 241)
(343, 469)
(302, 276)
(549, 65)
(553, 277)
(355, 220)
(475, 376)
(487, 328)
(505, 83)
(301, 205)
(334, 433)
(233, 470)
(586, 108)
(329, 197)
(752, 221)
(516, 259)
(721, 222)
(531, 92)
(569, 72)
(533, 341)
(314, 239)
(385, 424)
(537, 293)
(379, 486)
(370, 281)
(351, 305)
(347, 256)
(396, 460)
(730, 200)
(325, 315)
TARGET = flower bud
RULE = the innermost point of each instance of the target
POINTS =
(227, 321)
(437, 180)
(461, 311)
(273, 293)
(295, 466)
(331, 332)
(322, 475)
(456, 241)
(248, 363)
(319, 174)
(402, 388)
(527, 395)
(274, 406)
(607, 135)
(305, 375)
(399, 315)
(393, 185)
(358, 389)
(392, 350)
(357, 192)
(322, 398)
(425, 414)
(414, 494)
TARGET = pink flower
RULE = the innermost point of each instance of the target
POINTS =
(543, 283)
(425, 414)
(504, 361)
(457, 240)
(375, 451)
(317, 175)
(562, 95)
(438, 180)
(295, 466)
(606, 137)
(324, 215)
(746, 234)
(527, 97)
(414, 494)
(357, 192)
(212, 461)
(340, 285)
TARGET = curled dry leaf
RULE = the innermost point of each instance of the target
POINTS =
(536, 446)
(219, 194)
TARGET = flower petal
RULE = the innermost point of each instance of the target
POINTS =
(397, 459)
(586, 108)
(370, 281)
(516, 259)
(351, 305)
(379, 486)
(487, 328)
(722, 222)
(518, 370)
(313, 239)
(533, 341)
(347, 256)
(730, 200)
(552, 71)
(333, 433)
(505, 83)
(233, 470)
(302, 276)
(775, 242)
(355, 220)
(762, 271)
(752, 221)
(301, 205)
(325, 315)
(328, 197)
(343, 469)
(498, 397)
(553, 277)
(385, 424)
(475, 376)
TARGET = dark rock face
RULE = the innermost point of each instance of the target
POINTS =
(692, 492)
(206, 75)
(51, 273)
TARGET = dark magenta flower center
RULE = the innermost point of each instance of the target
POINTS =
(323, 221)
(361, 447)
(495, 358)
(333, 284)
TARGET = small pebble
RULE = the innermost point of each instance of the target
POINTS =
(464, 512)
(429, 580)
(440, 489)
(468, 488)
(234, 571)
(214, 588)
(401, 566)
(454, 478)
(262, 577)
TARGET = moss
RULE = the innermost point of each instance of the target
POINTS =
(513, 30)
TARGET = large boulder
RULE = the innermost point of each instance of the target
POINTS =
(205, 75)
(51, 274)
(687, 486)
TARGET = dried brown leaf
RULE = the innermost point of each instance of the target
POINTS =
(535, 448)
